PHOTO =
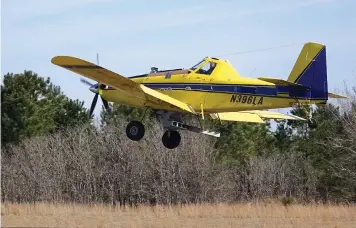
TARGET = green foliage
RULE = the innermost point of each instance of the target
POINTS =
(314, 144)
(239, 141)
(120, 112)
(283, 136)
(32, 105)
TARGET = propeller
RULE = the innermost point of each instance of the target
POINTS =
(95, 89)
(93, 104)
(86, 82)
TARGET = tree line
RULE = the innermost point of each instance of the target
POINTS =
(51, 152)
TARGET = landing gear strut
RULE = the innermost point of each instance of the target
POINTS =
(171, 123)
(171, 139)
(135, 130)
(311, 122)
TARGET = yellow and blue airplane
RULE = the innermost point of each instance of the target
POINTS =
(210, 88)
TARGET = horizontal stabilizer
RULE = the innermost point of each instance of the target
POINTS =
(280, 82)
(333, 95)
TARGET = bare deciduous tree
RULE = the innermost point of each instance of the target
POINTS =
(83, 165)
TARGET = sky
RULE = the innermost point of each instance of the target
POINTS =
(131, 36)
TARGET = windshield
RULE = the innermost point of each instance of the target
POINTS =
(196, 66)
(207, 69)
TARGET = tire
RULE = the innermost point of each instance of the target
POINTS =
(171, 139)
(135, 130)
(312, 123)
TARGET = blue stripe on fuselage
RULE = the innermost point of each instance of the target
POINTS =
(250, 89)
(257, 90)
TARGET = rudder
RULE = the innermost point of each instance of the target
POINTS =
(310, 70)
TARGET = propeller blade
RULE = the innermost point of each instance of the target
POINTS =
(86, 82)
(106, 104)
(93, 104)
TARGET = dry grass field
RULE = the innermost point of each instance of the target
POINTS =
(219, 215)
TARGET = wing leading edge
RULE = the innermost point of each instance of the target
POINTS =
(117, 81)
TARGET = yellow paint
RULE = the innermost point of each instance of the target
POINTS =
(133, 92)
(241, 117)
(306, 56)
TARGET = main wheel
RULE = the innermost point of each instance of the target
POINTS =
(171, 139)
(289, 122)
(312, 123)
(135, 130)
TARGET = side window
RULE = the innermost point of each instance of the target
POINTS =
(207, 68)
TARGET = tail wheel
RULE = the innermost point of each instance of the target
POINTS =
(312, 123)
(171, 139)
(135, 130)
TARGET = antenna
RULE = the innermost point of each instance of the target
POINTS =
(252, 72)
(97, 58)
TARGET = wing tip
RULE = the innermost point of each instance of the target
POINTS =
(54, 59)
(59, 58)
(66, 60)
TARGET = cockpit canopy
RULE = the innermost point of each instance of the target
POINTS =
(205, 66)
(212, 67)
(197, 65)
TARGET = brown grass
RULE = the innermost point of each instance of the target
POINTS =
(219, 215)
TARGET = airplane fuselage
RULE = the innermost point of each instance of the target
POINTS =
(211, 93)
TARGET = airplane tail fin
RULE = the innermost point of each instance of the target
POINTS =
(310, 71)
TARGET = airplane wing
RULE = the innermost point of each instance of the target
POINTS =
(118, 82)
(253, 116)
(237, 116)
(274, 115)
